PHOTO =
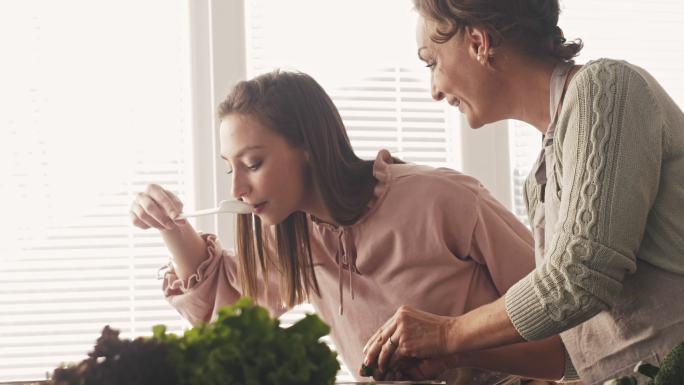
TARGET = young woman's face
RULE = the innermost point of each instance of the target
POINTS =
(456, 74)
(267, 172)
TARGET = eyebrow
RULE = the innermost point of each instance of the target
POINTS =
(241, 152)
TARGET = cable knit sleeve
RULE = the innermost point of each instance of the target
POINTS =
(215, 284)
(608, 148)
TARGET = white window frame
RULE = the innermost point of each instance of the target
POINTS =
(217, 36)
(486, 156)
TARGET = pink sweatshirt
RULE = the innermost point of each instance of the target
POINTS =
(433, 239)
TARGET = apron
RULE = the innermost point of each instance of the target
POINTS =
(646, 321)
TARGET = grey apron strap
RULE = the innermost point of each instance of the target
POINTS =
(539, 221)
(557, 84)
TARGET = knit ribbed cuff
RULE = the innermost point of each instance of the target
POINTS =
(570, 374)
(527, 313)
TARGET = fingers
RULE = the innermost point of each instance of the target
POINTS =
(406, 369)
(148, 213)
(378, 376)
(136, 220)
(165, 200)
(378, 344)
(393, 374)
(414, 334)
(378, 334)
(179, 206)
(387, 352)
(156, 208)
(402, 370)
(396, 359)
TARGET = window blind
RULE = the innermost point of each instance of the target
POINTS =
(364, 55)
(636, 31)
(95, 105)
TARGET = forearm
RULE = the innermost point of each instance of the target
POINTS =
(543, 359)
(483, 328)
(188, 250)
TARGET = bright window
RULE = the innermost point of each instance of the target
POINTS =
(95, 104)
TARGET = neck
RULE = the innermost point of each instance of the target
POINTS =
(528, 90)
(316, 207)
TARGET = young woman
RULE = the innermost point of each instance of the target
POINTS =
(606, 197)
(358, 239)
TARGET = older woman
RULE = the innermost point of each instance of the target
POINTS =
(605, 198)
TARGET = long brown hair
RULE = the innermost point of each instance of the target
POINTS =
(295, 106)
(531, 25)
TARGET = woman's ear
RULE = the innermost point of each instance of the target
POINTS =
(479, 44)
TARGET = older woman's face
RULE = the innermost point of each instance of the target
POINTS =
(456, 74)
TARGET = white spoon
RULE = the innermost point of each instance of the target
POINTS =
(237, 207)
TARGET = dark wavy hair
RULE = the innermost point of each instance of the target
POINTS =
(531, 25)
(295, 106)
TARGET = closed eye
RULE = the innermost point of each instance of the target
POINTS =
(254, 167)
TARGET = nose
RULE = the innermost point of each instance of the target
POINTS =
(436, 94)
(240, 185)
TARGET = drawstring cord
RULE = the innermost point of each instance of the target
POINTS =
(343, 261)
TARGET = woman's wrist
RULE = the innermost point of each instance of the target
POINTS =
(462, 336)
(485, 327)
(453, 337)
(188, 249)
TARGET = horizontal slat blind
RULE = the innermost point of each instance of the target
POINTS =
(391, 108)
(96, 104)
(640, 32)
